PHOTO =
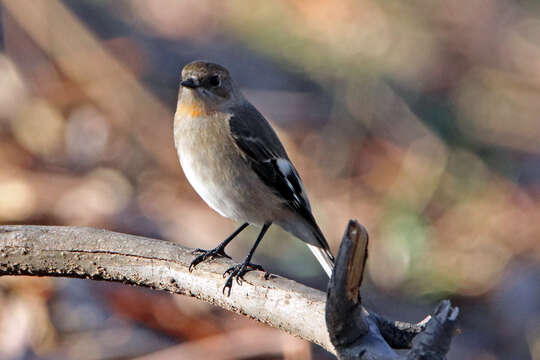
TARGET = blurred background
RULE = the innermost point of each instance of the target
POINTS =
(418, 118)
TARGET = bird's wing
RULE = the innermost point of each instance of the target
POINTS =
(267, 157)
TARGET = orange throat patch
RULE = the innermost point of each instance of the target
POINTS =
(190, 109)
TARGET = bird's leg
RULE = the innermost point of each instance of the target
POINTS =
(239, 270)
(218, 251)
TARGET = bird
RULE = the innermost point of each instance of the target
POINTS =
(235, 162)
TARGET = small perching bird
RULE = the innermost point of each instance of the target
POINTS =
(234, 160)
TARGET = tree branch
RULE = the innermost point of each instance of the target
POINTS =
(104, 255)
(284, 304)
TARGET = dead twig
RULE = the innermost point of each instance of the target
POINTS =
(358, 334)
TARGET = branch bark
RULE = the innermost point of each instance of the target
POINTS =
(281, 303)
(89, 253)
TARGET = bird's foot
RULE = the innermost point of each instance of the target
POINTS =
(217, 252)
(238, 271)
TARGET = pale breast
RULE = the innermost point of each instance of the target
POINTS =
(217, 171)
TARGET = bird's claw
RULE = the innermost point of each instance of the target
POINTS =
(206, 254)
(238, 271)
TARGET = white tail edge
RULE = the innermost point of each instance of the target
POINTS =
(323, 257)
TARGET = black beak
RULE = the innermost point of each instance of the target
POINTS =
(190, 83)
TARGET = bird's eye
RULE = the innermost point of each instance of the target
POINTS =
(214, 81)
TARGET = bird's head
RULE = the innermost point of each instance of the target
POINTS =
(206, 86)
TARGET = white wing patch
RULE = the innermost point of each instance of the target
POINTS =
(288, 171)
(285, 166)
